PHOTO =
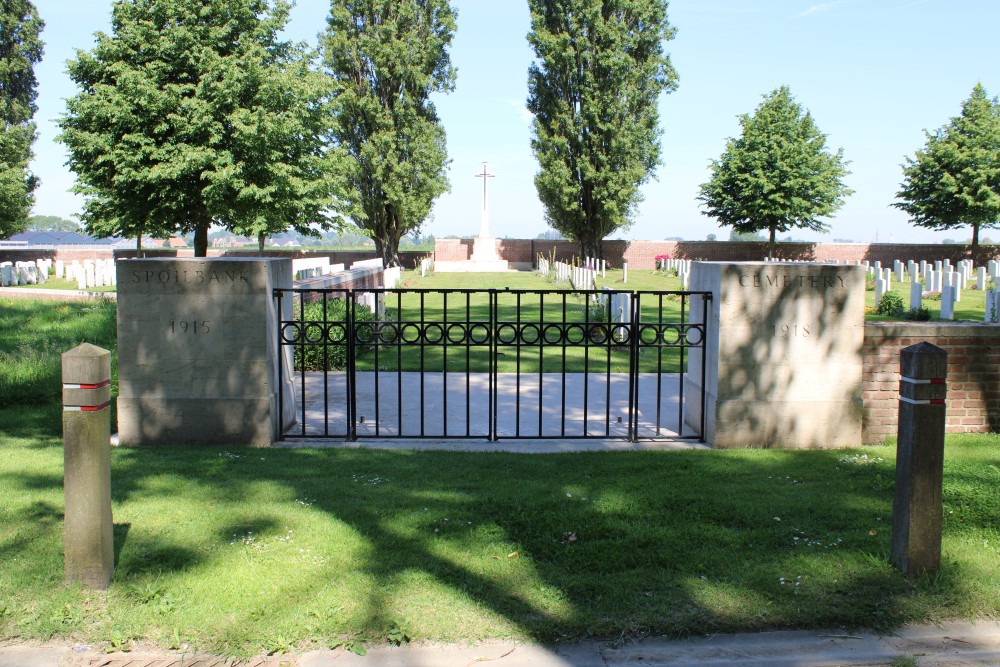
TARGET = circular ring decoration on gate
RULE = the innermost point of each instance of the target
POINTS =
(506, 334)
(291, 332)
(411, 333)
(456, 333)
(336, 333)
(552, 334)
(314, 333)
(388, 333)
(479, 334)
(433, 333)
(699, 335)
(364, 332)
(574, 334)
(671, 335)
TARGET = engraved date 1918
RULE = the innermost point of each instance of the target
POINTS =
(192, 327)
(792, 331)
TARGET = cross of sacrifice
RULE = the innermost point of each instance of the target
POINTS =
(484, 218)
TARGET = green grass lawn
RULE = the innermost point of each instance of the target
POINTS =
(969, 309)
(238, 550)
(63, 284)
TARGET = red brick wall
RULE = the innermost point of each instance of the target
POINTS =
(409, 259)
(973, 374)
(642, 254)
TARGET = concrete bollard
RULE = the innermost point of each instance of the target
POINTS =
(916, 508)
(88, 537)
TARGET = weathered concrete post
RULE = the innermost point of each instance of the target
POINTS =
(89, 543)
(916, 508)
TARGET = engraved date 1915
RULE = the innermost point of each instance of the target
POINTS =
(192, 327)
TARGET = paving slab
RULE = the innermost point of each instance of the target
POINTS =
(500, 654)
(945, 645)
(33, 656)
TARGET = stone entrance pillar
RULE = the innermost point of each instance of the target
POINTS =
(783, 353)
(198, 351)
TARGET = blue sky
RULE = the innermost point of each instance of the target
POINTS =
(873, 73)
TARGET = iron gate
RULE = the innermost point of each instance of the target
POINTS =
(493, 364)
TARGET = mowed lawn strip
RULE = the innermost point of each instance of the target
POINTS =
(240, 550)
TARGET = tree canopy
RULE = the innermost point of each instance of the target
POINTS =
(20, 50)
(194, 113)
(386, 58)
(593, 89)
(954, 180)
(778, 175)
(52, 223)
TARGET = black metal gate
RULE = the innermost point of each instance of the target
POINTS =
(494, 364)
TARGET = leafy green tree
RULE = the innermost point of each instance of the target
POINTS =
(755, 237)
(194, 113)
(52, 223)
(954, 180)
(778, 175)
(387, 57)
(599, 71)
(20, 50)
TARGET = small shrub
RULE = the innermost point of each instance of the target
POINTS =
(890, 304)
(328, 335)
(921, 314)
(870, 283)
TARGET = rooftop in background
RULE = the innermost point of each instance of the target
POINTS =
(63, 238)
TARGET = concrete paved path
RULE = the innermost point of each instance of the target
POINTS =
(948, 644)
(549, 405)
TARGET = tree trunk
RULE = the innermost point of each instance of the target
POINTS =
(260, 244)
(201, 239)
(975, 237)
(385, 249)
(138, 245)
(770, 244)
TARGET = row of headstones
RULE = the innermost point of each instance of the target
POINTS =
(940, 277)
(24, 273)
(304, 268)
(87, 273)
(681, 266)
(965, 268)
(596, 265)
(580, 276)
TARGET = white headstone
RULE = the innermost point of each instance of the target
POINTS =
(992, 313)
(6, 274)
(947, 302)
(981, 278)
(916, 295)
(60, 268)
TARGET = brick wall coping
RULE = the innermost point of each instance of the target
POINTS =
(931, 329)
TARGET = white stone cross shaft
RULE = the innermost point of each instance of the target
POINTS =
(484, 218)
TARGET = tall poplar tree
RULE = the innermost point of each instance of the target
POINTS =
(593, 89)
(387, 57)
(20, 50)
(954, 180)
(778, 175)
(192, 114)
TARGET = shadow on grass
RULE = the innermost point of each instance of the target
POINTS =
(464, 545)
(604, 544)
